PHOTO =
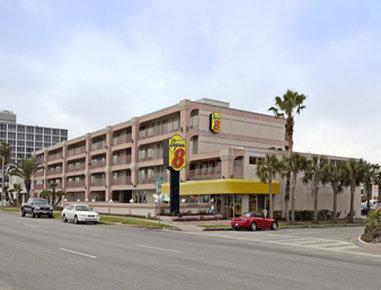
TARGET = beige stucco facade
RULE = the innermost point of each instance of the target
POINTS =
(120, 163)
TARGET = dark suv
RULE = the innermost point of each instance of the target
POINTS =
(37, 207)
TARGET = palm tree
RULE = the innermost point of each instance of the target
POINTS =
(17, 188)
(370, 176)
(292, 165)
(355, 172)
(267, 169)
(314, 174)
(285, 107)
(25, 169)
(5, 153)
(337, 176)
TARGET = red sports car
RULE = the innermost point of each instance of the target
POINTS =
(253, 221)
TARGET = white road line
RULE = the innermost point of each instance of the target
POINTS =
(32, 226)
(159, 249)
(77, 253)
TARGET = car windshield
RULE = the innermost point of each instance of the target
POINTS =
(82, 208)
(40, 201)
(246, 214)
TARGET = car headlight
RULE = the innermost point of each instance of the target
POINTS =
(37, 207)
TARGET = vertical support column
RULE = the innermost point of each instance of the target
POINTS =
(87, 169)
(135, 151)
(45, 185)
(108, 162)
(245, 202)
(184, 128)
(64, 166)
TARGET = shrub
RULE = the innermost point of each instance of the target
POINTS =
(304, 215)
(372, 232)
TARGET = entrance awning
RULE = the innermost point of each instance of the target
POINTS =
(223, 186)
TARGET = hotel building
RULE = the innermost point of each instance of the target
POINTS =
(120, 163)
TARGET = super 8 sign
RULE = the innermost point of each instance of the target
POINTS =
(215, 122)
(176, 152)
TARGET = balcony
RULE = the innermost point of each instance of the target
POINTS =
(98, 164)
(57, 170)
(98, 145)
(198, 174)
(121, 180)
(98, 182)
(76, 167)
(77, 183)
(76, 151)
(121, 160)
(150, 180)
(39, 173)
(54, 156)
(38, 186)
(122, 139)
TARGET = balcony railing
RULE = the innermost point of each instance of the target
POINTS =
(39, 173)
(122, 139)
(38, 186)
(122, 159)
(76, 167)
(98, 182)
(58, 185)
(98, 164)
(149, 180)
(149, 158)
(198, 174)
(54, 156)
(57, 170)
(98, 145)
(76, 151)
(78, 183)
(121, 180)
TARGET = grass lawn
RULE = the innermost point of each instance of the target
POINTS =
(216, 227)
(135, 222)
(10, 209)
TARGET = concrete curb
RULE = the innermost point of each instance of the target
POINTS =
(281, 227)
(368, 246)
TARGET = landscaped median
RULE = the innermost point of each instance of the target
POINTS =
(284, 225)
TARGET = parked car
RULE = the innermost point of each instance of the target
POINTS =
(78, 213)
(36, 207)
(254, 221)
(373, 206)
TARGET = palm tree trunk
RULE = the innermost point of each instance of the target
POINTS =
(316, 200)
(368, 188)
(351, 209)
(2, 179)
(335, 205)
(271, 199)
(287, 198)
(293, 185)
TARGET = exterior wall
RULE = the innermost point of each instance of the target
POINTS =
(145, 133)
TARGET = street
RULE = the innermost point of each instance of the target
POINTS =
(48, 254)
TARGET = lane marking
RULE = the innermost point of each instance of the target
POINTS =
(78, 253)
(160, 249)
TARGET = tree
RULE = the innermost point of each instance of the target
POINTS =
(25, 169)
(314, 174)
(369, 177)
(267, 169)
(292, 165)
(285, 107)
(355, 174)
(5, 153)
(17, 188)
(337, 176)
(54, 197)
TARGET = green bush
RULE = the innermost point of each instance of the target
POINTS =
(304, 215)
(372, 232)
(278, 215)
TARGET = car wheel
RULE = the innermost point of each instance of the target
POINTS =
(274, 226)
(50, 216)
(76, 220)
(95, 223)
(22, 213)
(64, 219)
(253, 226)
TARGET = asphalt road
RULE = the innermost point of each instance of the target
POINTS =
(48, 254)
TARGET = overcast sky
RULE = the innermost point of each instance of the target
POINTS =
(82, 65)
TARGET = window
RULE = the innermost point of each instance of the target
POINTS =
(194, 144)
(3, 126)
(11, 127)
(64, 133)
(20, 136)
(20, 143)
(56, 132)
(38, 130)
(21, 128)
(194, 119)
(11, 135)
(3, 135)
(38, 138)
(47, 144)
(29, 144)
(29, 137)
(47, 131)
(30, 129)
(56, 139)
(47, 138)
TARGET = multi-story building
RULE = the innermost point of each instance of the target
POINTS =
(120, 163)
(25, 139)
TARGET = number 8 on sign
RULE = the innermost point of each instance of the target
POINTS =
(178, 159)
